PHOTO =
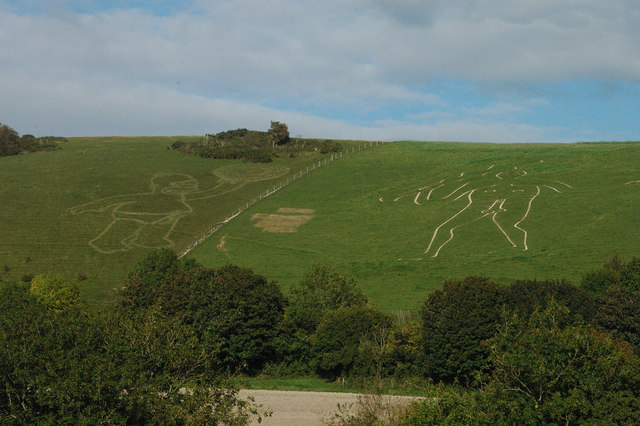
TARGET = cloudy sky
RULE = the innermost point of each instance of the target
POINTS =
(485, 70)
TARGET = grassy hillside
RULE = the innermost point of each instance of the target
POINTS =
(387, 214)
(100, 204)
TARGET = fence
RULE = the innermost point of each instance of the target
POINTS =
(316, 165)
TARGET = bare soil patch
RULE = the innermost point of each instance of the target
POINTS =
(282, 223)
(311, 408)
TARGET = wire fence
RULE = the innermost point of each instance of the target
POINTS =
(296, 176)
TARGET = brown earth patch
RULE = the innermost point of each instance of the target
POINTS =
(220, 245)
(315, 408)
(280, 223)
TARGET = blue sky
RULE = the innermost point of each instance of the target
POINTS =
(486, 70)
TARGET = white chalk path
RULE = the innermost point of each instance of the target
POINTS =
(128, 211)
(517, 225)
(435, 233)
(469, 189)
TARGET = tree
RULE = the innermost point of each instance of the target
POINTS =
(237, 313)
(75, 367)
(630, 274)
(619, 314)
(455, 322)
(525, 296)
(614, 272)
(600, 280)
(54, 291)
(544, 373)
(234, 312)
(338, 337)
(142, 286)
(321, 291)
(279, 133)
(9, 141)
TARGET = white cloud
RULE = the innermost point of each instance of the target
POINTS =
(126, 71)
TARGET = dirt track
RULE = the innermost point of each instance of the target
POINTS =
(302, 408)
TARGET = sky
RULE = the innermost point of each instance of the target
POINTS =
(451, 70)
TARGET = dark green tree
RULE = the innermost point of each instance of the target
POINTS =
(237, 313)
(320, 291)
(234, 312)
(630, 274)
(338, 337)
(149, 277)
(455, 322)
(525, 296)
(619, 314)
(9, 141)
(73, 367)
(544, 373)
(279, 133)
(599, 280)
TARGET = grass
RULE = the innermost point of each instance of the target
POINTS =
(41, 234)
(570, 230)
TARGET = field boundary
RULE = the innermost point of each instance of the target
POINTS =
(296, 176)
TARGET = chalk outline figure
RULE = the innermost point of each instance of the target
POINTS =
(494, 198)
(174, 191)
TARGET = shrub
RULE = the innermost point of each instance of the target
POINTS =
(337, 339)
(455, 322)
(320, 291)
(54, 291)
(526, 295)
(234, 312)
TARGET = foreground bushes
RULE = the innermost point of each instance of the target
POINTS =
(544, 372)
(533, 352)
(73, 367)
(234, 313)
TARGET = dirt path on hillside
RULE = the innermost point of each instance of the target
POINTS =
(305, 408)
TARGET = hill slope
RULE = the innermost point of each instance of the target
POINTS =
(404, 217)
(99, 205)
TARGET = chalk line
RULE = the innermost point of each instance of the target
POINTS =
(435, 233)
(517, 225)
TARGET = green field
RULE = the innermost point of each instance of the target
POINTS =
(569, 205)
(100, 204)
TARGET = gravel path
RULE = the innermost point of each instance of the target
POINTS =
(303, 408)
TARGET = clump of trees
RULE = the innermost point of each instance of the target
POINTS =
(255, 146)
(531, 352)
(73, 366)
(11, 143)
(279, 134)
(233, 312)
(543, 369)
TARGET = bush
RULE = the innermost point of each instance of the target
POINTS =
(338, 337)
(455, 322)
(619, 314)
(234, 312)
(54, 291)
(544, 373)
(73, 367)
(12, 144)
(525, 296)
(320, 291)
